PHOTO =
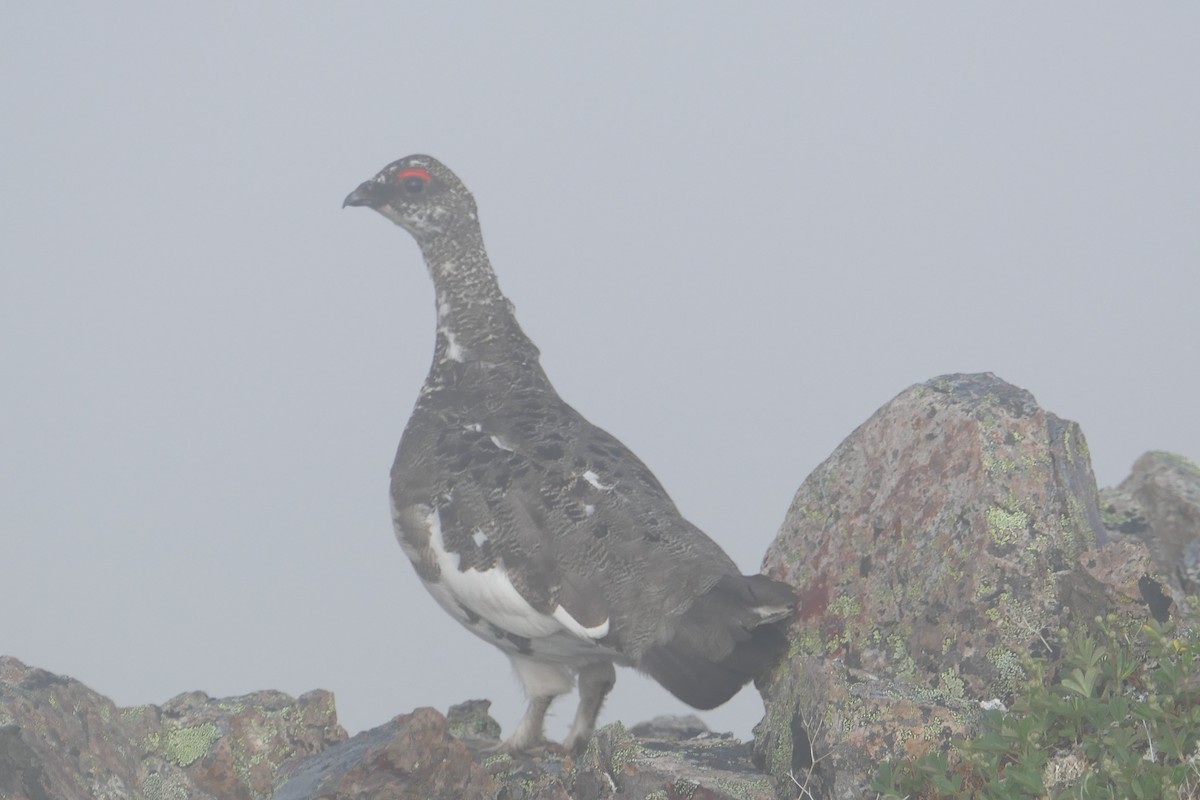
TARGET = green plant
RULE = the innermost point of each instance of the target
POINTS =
(1121, 719)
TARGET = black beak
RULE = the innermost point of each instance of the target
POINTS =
(367, 194)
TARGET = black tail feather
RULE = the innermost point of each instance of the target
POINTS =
(726, 638)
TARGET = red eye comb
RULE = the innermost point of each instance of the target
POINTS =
(413, 172)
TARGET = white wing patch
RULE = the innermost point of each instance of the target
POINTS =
(491, 595)
(571, 624)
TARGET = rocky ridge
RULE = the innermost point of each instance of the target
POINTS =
(954, 534)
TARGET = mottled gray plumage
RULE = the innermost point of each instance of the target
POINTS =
(534, 528)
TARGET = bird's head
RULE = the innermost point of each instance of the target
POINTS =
(419, 194)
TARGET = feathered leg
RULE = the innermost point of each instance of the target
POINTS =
(596, 680)
(542, 683)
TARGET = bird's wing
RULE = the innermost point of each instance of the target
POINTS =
(541, 509)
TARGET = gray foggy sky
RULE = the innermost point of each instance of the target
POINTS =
(733, 232)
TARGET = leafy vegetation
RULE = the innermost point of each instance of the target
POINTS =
(1121, 719)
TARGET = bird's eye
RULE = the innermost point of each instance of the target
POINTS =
(413, 181)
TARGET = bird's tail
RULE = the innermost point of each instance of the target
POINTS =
(729, 635)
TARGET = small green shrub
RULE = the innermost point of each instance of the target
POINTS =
(1120, 720)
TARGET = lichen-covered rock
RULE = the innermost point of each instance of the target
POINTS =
(705, 766)
(233, 747)
(59, 740)
(671, 727)
(413, 756)
(1159, 503)
(425, 755)
(470, 721)
(951, 536)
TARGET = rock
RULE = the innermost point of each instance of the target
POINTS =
(470, 721)
(670, 727)
(414, 756)
(952, 535)
(59, 740)
(420, 755)
(715, 767)
(1159, 503)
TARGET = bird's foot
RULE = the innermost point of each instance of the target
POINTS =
(523, 740)
(575, 744)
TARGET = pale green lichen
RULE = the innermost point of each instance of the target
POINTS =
(244, 766)
(183, 746)
(156, 786)
(949, 696)
(846, 608)
(474, 725)
(952, 684)
(777, 727)
(748, 788)
(905, 666)
(1076, 446)
(266, 741)
(914, 591)
(1009, 672)
(1036, 460)
(684, 788)
(1004, 526)
(1036, 546)
(250, 749)
(134, 712)
(497, 760)
(625, 747)
(819, 514)
(622, 746)
(856, 713)
(995, 466)
(807, 643)
(1018, 619)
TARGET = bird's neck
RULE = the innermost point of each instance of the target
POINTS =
(475, 321)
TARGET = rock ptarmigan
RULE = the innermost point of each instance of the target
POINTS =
(535, 529)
